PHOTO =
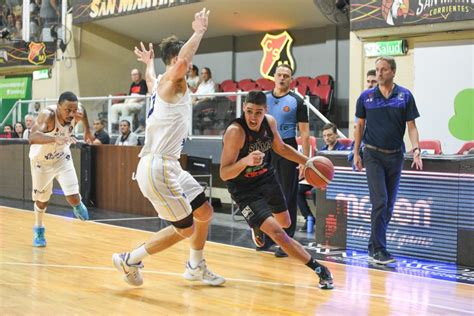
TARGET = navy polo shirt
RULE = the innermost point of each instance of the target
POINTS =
(385, 118)
(337, 146)
(288, 111)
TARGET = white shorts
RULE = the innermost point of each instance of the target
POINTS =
(168, 187)
(44, 174)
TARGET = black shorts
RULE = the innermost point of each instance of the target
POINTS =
(257, 203)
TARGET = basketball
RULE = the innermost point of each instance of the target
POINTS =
(319, 171)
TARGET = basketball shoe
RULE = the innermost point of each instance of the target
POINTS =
(325, 278)
(131, 272)
(38, 237)
(80, 211)
(203, 274)
(258, 237)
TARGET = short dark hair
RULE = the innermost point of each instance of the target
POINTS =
(125, 121)
(256, 97)
(170, 48)
(67, 96)
(330, 126)
(285, 66)
(101, 121)
(371, 72)
(196, 69)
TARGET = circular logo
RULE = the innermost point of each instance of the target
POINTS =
(286, 108)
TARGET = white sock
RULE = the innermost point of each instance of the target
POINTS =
(39, 215)
(136, 255)
(195, 257)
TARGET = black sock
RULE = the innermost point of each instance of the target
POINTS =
(313, 264)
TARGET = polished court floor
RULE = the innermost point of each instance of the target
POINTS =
(74, 275)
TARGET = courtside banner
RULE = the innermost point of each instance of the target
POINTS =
(22, 53)
(91, 10)
(371, 14)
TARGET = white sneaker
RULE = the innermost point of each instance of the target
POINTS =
(131, 272)
(203, 274)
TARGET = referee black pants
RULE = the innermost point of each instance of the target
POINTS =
(287, 175)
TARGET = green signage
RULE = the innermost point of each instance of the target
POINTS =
(14, 88)
(389, 48)
(41, 74)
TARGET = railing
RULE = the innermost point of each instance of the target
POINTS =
(211, 112)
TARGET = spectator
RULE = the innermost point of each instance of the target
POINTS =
(29, 121)
(17, 33)
(34, 108)
(206, 86)
(330, 138)
(331, 143)
(101, 136)
(371, 79)
(9, 131)
(49, 13)
(127, 137)
(192, 79)
(19, 129)
(137, 88)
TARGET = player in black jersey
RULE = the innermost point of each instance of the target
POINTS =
(252, 183)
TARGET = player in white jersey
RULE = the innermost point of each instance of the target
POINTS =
(50, 157)
(175, 194)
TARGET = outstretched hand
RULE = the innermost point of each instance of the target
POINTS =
(143, 54)
(201, 20)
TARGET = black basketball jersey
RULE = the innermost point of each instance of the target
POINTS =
(262, 141)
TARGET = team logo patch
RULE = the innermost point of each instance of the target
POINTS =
(286, 108)
(276, 51)
(37, 53)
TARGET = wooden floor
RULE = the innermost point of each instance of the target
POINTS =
(74, 275)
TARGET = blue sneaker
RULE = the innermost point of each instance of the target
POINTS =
(80, 211)
(38, 237)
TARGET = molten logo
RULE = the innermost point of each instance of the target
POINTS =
(276, 51)
(37, 53)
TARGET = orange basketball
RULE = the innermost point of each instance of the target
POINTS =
(319, 171)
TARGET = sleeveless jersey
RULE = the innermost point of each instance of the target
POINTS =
(167, 125)
(53, 152)
(262, 141)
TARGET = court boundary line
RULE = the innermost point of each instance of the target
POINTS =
(260, 282)
(249, 249)
(123, 219)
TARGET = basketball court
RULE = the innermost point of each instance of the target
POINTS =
(74, 275)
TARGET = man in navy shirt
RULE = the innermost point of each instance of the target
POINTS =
(290, 113)
(330, 138)
(383, 113)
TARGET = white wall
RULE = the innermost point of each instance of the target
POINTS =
(442, 70)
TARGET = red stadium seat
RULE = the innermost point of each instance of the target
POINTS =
(325, 80)
(345, 141)
(465, 148)
(265, 84)
(433, 145)
(248, 85)
(312, 144)
(228, 84)
(323, 92)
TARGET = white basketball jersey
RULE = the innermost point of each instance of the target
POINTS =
(167, 125)
(52, 152)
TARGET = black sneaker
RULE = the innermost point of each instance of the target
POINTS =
(383, 257)
(325, 278)
(370, 256)
(279, 253)
(258, 237)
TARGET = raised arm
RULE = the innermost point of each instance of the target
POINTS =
(187, 52)
(283, 149)
(148, 58)
(81, 115)
(234, 139)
